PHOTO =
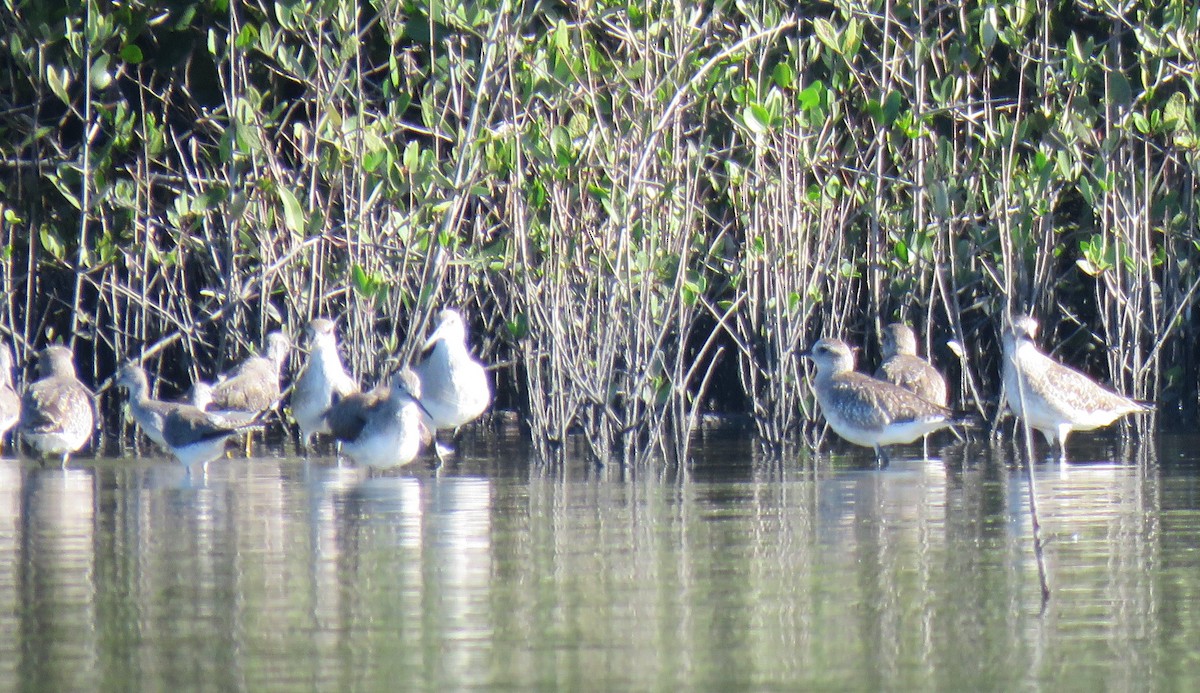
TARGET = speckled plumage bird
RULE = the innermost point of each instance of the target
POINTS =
(10, 401)
(902, 366)
(382, 428)
(253, 386)
(1053, 398)
(870, 412)
(322, 383)
(57, 411)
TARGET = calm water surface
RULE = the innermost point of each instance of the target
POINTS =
(734, 572)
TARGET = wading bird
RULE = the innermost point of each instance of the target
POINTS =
(454, 386)
(870, 412)
(1053, 398)
(57, 412)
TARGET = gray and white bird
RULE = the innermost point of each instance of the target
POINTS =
(382, 428)
(870, 412)
(148, 413)
(57, 411)
(191, 434)
(10, 401)
(1053, 398)
(454, 386)
(902, 366)
(322, 383)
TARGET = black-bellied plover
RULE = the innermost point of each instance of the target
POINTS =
(252, 386)
(901, 365)
(57, 411)
(867, 411)
(1053, 398)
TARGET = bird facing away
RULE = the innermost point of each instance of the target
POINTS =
(10, 403)
(323, 382)
(870, 412)
(57, 415)
(1053, 398)
(191, 434)
(454, 386)
(378, 429)
(901, 365)
(253, 386)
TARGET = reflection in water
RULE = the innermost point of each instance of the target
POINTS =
(57, 630)
(734, 572)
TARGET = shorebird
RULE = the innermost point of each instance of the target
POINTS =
(253, 386)
(901, 366)
(323, 382)
(869, 412)
(10, 402)
(454, 386)
(57, 413)
(382, 428)
(148, 413)
(191, 434)
(1053, 398)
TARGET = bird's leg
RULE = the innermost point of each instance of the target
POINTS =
(881, 457)
(440, 451)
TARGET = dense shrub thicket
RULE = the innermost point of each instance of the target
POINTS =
(643, 207)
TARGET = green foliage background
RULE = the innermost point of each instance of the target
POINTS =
(643, 207)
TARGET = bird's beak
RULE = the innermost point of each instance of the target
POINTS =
(437, 334)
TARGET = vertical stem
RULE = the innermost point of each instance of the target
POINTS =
(85, 195)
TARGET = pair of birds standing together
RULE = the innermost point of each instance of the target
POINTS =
(907, 397)
(383, 427)
(387, 426)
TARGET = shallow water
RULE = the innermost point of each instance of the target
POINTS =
(733, 572)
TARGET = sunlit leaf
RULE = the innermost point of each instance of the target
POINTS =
(293, 213)
(757, 118)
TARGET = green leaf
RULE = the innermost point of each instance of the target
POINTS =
(1175, 112)
(132, 54)
(362, 282)
(783, 75)
(58, 81)
(810, 96)
(988, 30)
(518, 327)
(293, 213)
(372, 160)
(1119, 89)
(757, 118)
(827, 34)
(247, 37)
(52, 245)
(101, 77)
(891, 107)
